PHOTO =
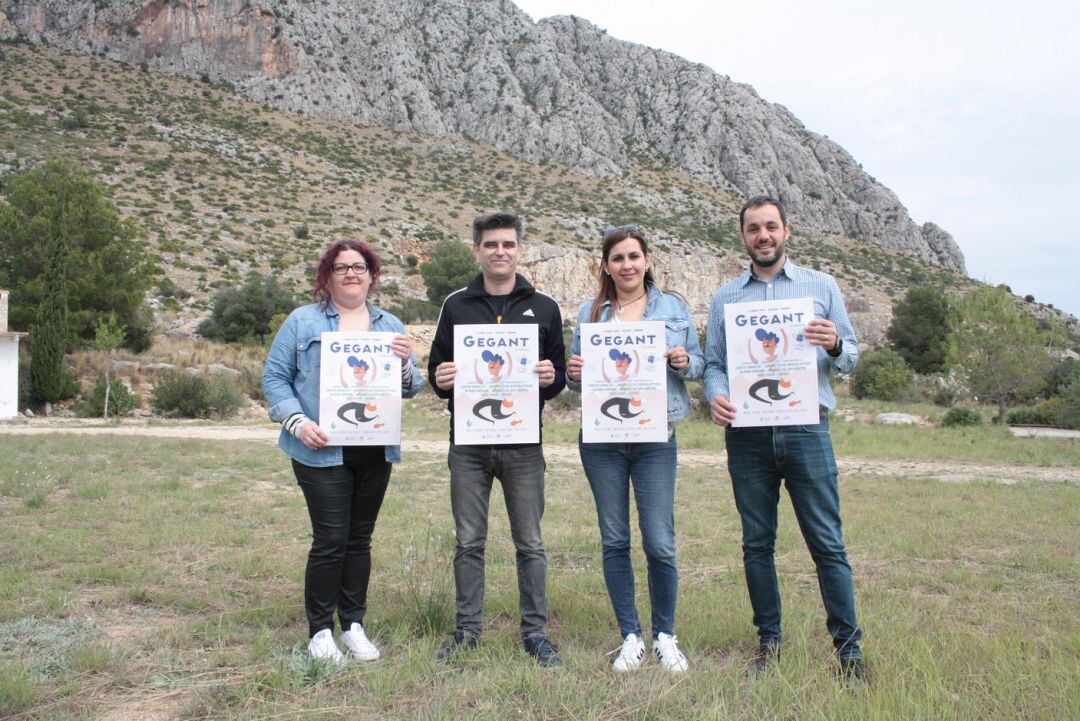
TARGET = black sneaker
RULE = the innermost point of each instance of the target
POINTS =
(460, 642)
(852, 671)
(766, 657)
(544, 651)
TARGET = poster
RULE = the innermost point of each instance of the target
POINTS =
(360, 389)
(624, 382)
(496, 392)
(772, 367)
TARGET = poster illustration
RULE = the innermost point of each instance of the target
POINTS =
(496, 393)
(623, 382)
(772, 367)
(360, 389)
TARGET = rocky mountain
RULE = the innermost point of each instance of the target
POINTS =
(557, 90)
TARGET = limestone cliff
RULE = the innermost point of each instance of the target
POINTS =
(557, 90)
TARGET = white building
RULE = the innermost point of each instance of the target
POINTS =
(9, 363)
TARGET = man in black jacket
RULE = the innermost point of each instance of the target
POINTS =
(499, 295)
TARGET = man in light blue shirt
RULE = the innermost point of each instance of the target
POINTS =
(759, 457)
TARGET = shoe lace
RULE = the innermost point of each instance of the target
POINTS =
(325, 644)
(669, 647)
(359, 637)
(544, 648)
(632, 650)
(622, 649)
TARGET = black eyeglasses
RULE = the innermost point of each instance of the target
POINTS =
(628, 228)
(343, 268)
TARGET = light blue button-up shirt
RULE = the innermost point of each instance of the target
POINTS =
(791, 281)
(291, 375)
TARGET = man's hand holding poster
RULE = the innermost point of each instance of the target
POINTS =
(623, 382)
(772, 367)
(496, 392)
(360, 389)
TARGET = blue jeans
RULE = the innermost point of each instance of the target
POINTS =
(758, 458)
(520, 469)
(611, 468)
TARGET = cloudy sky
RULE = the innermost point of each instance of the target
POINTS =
(969, 111)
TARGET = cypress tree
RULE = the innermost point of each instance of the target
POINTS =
(49, 378)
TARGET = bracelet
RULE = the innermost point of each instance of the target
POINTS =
(294, 423)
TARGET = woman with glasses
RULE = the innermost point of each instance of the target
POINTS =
(628, 292)
(343, 485)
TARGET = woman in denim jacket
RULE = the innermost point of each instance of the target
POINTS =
(628, 293)
(343, 486)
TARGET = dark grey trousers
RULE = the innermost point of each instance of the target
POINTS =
(520, 470)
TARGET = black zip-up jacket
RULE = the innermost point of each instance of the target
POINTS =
(524, 304)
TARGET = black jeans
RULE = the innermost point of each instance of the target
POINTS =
(343, 502)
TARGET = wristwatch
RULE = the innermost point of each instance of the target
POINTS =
(835, 352)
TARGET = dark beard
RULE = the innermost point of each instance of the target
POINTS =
(766, 263)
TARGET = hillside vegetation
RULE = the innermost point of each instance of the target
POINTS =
(222, 187)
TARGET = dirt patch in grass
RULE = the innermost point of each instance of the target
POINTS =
(946, 471)
(140, 707)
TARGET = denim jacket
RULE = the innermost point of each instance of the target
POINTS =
(680, 332)
(291, 376)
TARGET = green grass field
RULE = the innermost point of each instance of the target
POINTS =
(147, 578)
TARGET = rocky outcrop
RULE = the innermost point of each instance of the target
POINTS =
(558, 90)
(570, 274)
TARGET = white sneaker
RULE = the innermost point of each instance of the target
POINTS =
(666, 650)
(323, 648)
(358, 645)
(631, 653)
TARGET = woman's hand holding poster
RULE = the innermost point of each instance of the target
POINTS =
(623, 382)
(360, 389)
(772, 367)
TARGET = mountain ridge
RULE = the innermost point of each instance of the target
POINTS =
(557, 90)
(222, 187)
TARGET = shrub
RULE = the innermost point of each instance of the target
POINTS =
(451, 266)
(961, 416)
(1024, 417)
(167, 288)
(251, 383)
(945, 395)
(1069, 414)
(244, 315)
(881, 375)
(194, 396)
(121, 401)
(76, 121)
(415, 310)
(1064, 373)
(223, 397)
(1049, 411)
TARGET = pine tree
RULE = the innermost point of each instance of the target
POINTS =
(999, 348)
(921, 323)
(451, 266)
(108, 269)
